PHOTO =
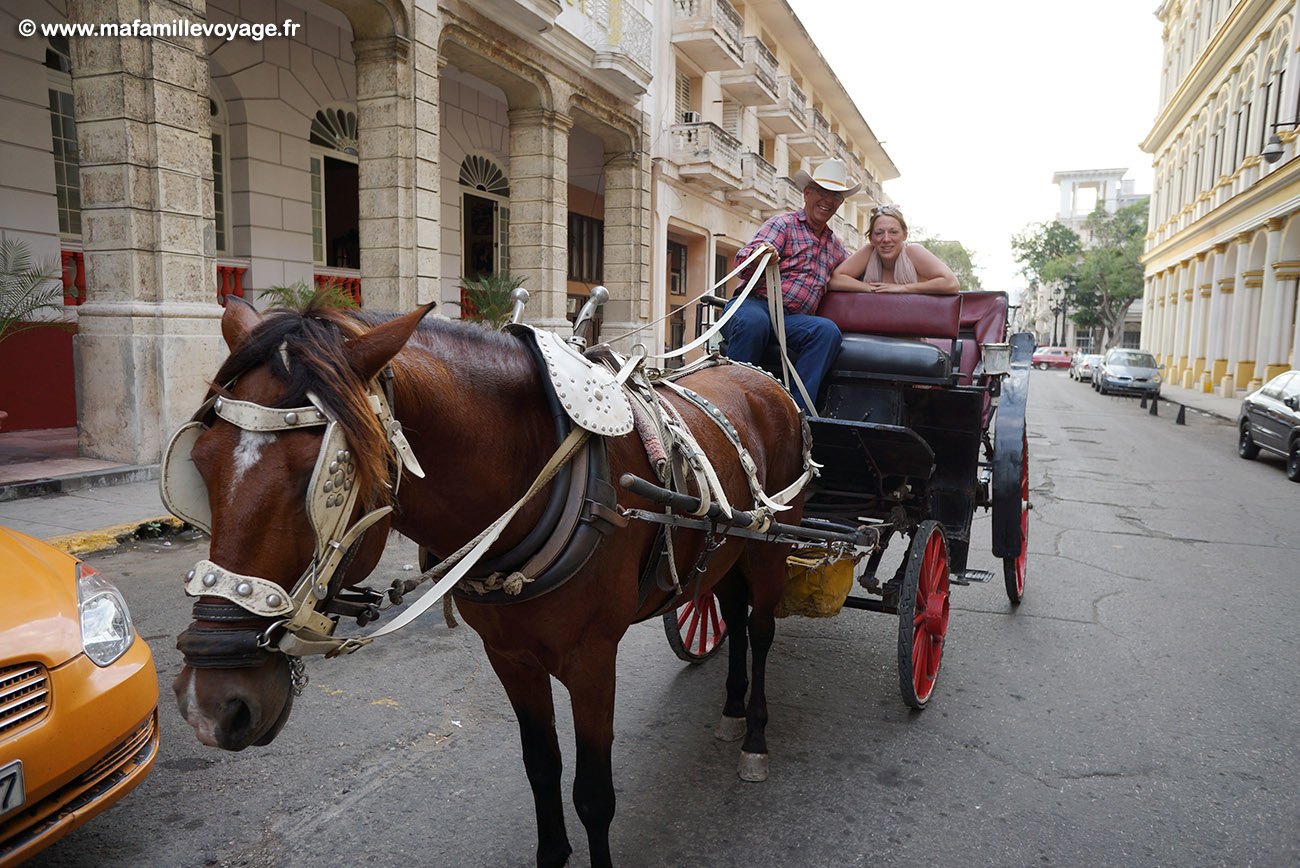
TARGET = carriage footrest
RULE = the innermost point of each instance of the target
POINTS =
(967, 577)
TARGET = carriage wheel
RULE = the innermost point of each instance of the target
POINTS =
(1013, 568)
(696, 630)
(922, 614)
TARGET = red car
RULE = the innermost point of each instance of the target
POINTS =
(1052, 357)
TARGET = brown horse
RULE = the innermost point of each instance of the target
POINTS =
(472, 404)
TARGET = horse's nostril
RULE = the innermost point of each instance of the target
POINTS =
(236, 720)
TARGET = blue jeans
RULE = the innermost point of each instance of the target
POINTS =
(815, 341)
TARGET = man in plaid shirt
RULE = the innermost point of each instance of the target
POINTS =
(807, 252)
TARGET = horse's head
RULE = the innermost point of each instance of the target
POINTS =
(288, 465)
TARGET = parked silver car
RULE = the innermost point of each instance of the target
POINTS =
(1270, 419)
(1081, 366)
(1126, 371)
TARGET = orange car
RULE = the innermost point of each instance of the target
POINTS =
(78, 696)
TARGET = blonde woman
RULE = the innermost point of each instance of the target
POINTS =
(888, 263)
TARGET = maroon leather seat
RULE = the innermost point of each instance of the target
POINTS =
(880, 331)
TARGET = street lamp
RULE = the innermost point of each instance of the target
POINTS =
(1273, 150)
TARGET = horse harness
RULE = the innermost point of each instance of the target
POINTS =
(585, 398)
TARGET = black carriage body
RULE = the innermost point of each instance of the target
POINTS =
(906, 409)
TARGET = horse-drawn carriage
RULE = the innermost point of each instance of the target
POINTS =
(922, 421)
(325, 429)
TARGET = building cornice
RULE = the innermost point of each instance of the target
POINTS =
(1276, 195)
(1206, 74)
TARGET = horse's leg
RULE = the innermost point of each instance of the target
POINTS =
(529, 690)
(767, 583)
(591, 688)
(734, 603)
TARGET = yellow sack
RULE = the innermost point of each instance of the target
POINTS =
(816, 583)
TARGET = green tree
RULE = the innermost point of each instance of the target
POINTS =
(1041, 244)
(955, 255)
(1108, 277)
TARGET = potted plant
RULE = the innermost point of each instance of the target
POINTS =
(486, 299)
(296, 296)
(27, 289)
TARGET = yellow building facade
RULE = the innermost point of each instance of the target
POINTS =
(1222, 258)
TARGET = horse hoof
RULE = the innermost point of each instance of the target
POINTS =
(730, 729)
(754, 766)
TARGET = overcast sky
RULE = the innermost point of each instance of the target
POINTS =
(978, 104)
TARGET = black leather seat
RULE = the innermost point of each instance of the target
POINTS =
(883, 356)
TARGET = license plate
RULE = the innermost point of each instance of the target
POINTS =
(12, 794)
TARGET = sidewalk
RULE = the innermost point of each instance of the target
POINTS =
(78, 504)
(1226, 409)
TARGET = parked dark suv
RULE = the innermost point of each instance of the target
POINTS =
(1124, 371)
(1270, 419)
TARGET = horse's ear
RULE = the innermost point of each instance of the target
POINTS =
(369, 352)
(239, 319)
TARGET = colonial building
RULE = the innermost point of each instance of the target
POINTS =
(1223, 253)
(173, 152)
(744, 100)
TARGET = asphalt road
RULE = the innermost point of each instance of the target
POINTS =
(1137, 709)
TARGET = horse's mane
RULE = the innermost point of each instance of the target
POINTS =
(313, 340)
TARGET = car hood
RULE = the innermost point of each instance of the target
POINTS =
(39, 620)
(1131, 371)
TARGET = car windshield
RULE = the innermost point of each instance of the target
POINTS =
(1137, 360)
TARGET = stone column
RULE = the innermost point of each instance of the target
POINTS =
(386, 172)
(1169, 319)
(1237, 371)
(539, 210)
(1147, 328)
(1284, 336)
(1182, 297)
(1253, 281)
(1216, 354)
(428, 147)
(627, 244)
(149, 333)
(1268, 303)
(1200, 297)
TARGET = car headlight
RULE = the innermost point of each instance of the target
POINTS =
(1156, 378)
(106, 628)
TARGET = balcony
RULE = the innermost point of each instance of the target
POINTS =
(815, 142)
(624, 42)
(757, 183)
(709, 33)
(523, 16)
(346, 279)
(707, 155)
(230, 279)
(755, 82)
(789, 115)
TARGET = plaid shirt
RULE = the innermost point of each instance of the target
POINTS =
(806, 260)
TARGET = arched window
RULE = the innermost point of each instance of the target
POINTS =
(335, 202)
(63, 132)
(485, 217)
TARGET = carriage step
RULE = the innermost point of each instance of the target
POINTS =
(971, 576)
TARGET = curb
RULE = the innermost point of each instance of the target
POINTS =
(78, 482)
(90, 541)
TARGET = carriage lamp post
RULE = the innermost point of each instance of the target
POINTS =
(1273, 150)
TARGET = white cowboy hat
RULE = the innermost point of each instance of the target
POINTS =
(831, 175)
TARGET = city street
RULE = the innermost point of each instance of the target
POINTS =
(1136, 709)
